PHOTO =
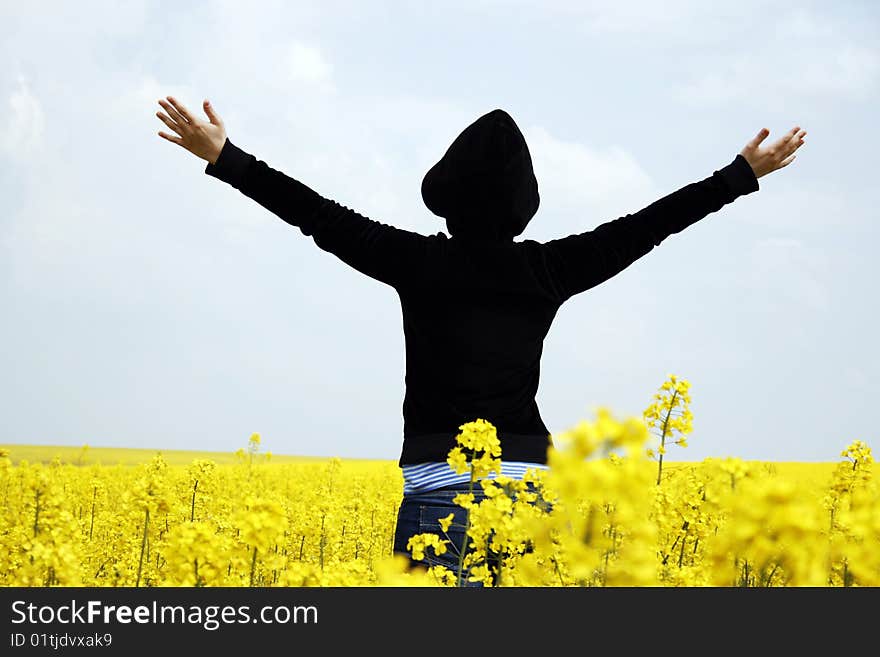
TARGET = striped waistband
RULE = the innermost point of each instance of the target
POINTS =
(420, 477)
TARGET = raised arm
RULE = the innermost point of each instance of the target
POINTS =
(582, 261)
(382, 252)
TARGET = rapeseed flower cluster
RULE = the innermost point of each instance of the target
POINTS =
(669, 417)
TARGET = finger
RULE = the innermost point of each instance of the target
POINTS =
(795, 143)
(787, 149)
(171, 124)
(787, 161)
(174, 140)
(174, 114)
(783, 141)
(212, 115)
(761, 136)
(180, 108)
(791, 135)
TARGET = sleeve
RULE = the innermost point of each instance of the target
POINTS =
(385, 253)
(579, 262)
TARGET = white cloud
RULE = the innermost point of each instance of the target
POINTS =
(811, 70)
(85, 18)
(308, 64)
(614, 17)
(633, 17)
(585, 186)
(25, 123)
(263, 50)
(804, 24)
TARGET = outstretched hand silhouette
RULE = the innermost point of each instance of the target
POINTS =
(202, 138)
(777, 155)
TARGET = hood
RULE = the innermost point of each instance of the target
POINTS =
(484, 185)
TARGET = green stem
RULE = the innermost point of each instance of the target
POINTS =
(143, 546)
(192, 508)
(92, 523)
(681, 551)
(770, 576)
(663, 436)
(321, 546)
(36, 512)
(253, 565)
(558, 572)
(467, 523)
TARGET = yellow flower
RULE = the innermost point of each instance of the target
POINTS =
(457, 460)
(481, 574)
(465, 500)
(484, 464)
(479, 436)
(445, 522)
(418, 543)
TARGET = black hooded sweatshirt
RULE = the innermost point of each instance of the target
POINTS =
(477, 306)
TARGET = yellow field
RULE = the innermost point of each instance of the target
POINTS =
(610, 513)
(312, 521)
(134, 456)
(816, 473)
(811, 474)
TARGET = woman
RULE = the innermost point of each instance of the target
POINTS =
(477, 305)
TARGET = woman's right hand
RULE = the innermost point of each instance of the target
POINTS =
(779, 154)
(202, 138)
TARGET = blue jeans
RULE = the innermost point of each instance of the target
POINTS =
(420, 513)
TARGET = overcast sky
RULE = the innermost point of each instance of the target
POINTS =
(146, 304)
